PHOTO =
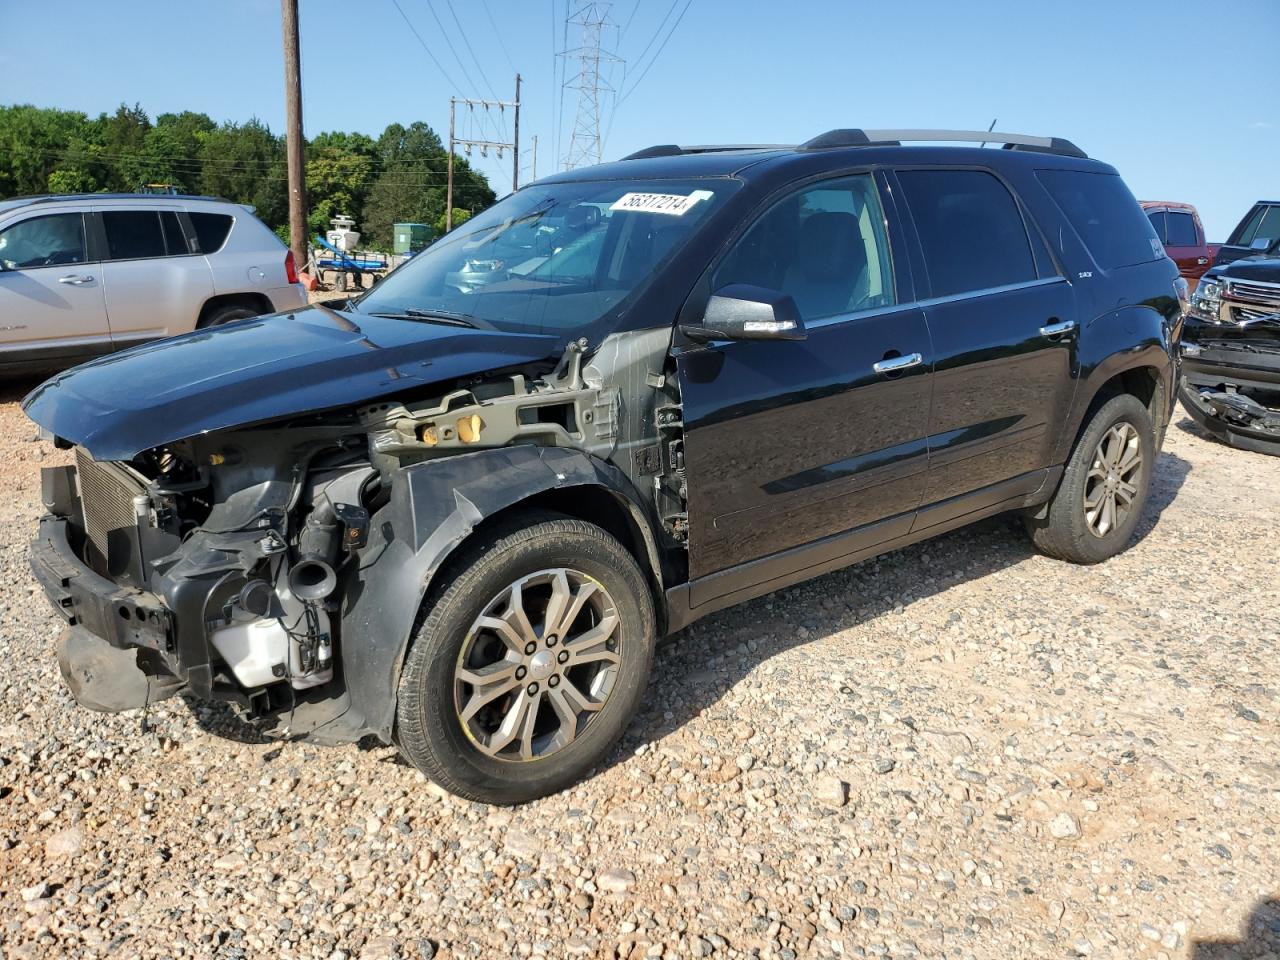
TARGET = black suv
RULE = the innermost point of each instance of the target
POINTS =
(456, 515)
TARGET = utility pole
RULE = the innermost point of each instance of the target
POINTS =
(535, 158)
(296, 146)
(485, 145)
(585, 146)
(515, 142)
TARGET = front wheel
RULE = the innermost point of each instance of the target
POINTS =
(1104, 487)
(529, 666)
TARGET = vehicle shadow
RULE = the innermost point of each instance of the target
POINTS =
(1261, 937)
(702, 663)
(13, 389)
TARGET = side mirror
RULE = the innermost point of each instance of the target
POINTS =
(1260, 243)
(741, 311)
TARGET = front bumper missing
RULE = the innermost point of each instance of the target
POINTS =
(1226, 389)
(122, 616)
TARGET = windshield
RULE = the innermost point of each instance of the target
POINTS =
(555, 258)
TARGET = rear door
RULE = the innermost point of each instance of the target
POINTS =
(788, 442)
(51, 302)
(155, 279)
(1004, 324)
(1185, 245)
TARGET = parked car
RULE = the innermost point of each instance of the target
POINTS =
(1256, 233)
(1231, 353)
(84, 275)
(457, 517)
(1179, 229)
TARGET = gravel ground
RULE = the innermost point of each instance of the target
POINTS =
(961, 750)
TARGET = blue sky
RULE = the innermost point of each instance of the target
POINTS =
(1159, 88)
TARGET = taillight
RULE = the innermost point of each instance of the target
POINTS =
(290, 268)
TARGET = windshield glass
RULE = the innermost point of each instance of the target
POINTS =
(555, 258)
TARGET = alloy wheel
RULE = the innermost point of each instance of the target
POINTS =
(537, 665)
(1111, 485)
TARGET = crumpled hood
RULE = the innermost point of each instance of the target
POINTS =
(261, 369)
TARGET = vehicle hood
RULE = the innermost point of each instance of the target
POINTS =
(261, 369)
(1262, 266)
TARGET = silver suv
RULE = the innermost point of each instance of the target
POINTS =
(85, 275)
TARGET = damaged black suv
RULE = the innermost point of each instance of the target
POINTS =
(457, 513)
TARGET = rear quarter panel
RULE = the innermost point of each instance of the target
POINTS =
(251, 260)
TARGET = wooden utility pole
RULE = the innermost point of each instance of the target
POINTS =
(515, 142)
(296, 146)
(448, 196)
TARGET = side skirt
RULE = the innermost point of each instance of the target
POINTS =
(688, 602)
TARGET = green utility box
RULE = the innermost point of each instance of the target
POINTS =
(410, 237)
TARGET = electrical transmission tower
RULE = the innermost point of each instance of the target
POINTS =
(592, 18)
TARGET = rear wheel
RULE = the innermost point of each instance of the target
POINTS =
(227, 313)
(1104, 488)
(527, 669)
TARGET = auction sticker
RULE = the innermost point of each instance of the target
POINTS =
(672, 204)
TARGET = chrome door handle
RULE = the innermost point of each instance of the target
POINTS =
(1202, 260)
(896, 364)
(1058, 329)
(75, 280)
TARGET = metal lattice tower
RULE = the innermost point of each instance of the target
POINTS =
(586, 145)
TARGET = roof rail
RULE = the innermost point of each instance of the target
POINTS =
(880, 138)
(673, 150)
(58, 197)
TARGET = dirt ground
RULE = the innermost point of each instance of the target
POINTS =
(962, 749)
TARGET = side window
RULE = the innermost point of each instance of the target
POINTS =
(133, 234)
(1248, 227)
(211, 230)
(1267, 227)
(970, 229)
(1181, 231)
(175, 241)
(825, 245)
(55, 240)
(1157, 223)
(1105, 215)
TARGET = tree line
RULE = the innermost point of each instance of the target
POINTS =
(398, 177)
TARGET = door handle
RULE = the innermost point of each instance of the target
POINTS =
(897, 364)
(1202, 260)
(75, 280)
(1057, 329)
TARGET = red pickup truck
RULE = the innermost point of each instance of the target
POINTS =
(1179, 229)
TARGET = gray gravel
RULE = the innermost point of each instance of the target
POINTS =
(960, 750)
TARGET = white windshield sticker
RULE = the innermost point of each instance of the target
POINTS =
(669, 203)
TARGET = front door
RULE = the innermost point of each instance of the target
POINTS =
(788, 442)
(51, 303)
(1004, 325)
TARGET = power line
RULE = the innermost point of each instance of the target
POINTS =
(467, 43)
(627, 26)
(423, 43)
(656, 33)
(656, 55)
(498, 34)
(475, 90)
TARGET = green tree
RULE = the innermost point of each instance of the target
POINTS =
(340, 171)
(244, 162)
(35, 142)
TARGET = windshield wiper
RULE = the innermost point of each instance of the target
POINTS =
(430, 316)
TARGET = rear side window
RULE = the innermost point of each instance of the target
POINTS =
(175, 241)
(1157, 224)
(970, 229)
(1105, 215)
(211, 230)
(133, 234)
(1181, 230)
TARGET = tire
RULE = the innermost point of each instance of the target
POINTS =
(469, 756)
(1068, 530)
(227, 313)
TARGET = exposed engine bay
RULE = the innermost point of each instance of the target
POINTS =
(238, 559)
